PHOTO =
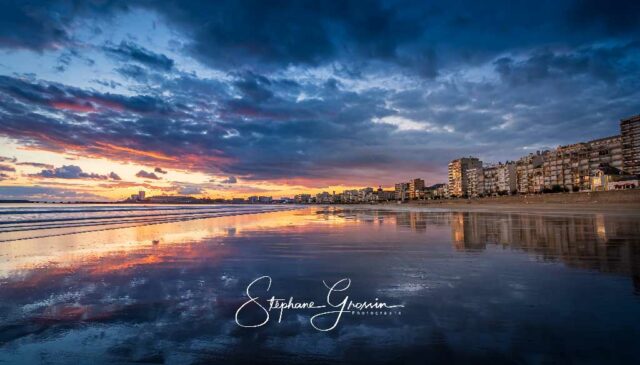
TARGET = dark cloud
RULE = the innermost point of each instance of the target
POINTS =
(229, 180)
(108, 83)
(38, 24)
(14, 161)
(419, 36)
(25, 25)
(134, 72)
(68, 56)
(8, 168)
(328, 136)
(251, 33)
(8, 159)
(73, 172)
(602, 63)
(129, 51)
(254, 88)
(400, 87)
(614, 17)
(147, 175)
(160, 170)
(61, 97)
(36, 164)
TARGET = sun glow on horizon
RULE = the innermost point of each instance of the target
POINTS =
(28, 172)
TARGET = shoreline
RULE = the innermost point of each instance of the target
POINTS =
(624, 200)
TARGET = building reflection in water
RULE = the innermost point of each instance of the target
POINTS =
(605, 242)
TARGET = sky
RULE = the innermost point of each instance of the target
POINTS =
(100, 99)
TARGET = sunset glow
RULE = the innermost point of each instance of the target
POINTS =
(99, 101)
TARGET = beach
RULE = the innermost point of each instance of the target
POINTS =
(628, 200)
(470, 286)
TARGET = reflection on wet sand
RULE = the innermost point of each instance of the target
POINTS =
(605, 242)
(72, 249)
(475, 288)
(592, 241)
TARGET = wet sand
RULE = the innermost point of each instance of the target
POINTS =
(477, 287)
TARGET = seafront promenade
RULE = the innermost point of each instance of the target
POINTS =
(623, 199)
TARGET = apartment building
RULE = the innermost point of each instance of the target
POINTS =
(490, 179)
(302, 198)
(630, 133)
(416, 188)
(365, 195)
(383, 195)
(458, 179)
(475, 184)
(571, 167)
(401, 190)
(507, 178)
(529, 173)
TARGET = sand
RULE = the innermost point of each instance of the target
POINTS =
(625, 200)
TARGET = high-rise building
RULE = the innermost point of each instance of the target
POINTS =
(402, 190)
(507, 178)
(458, 178)
(416, 188)
(439, 191)
(630, 131)
(141, 195)
(490, 179)
(529, 173)
(571, 167)
(475, 185)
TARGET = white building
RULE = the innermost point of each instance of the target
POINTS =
(507, 178)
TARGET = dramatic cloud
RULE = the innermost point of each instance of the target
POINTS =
(147, 175)
(421, 36)
(26, 26)
(73, 172)
(313, 93)
(128, 51)
(41, 24)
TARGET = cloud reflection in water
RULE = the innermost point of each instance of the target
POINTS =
(476, 287)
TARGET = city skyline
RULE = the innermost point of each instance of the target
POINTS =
(235, 99)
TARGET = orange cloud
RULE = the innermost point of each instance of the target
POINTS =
(156, 155)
